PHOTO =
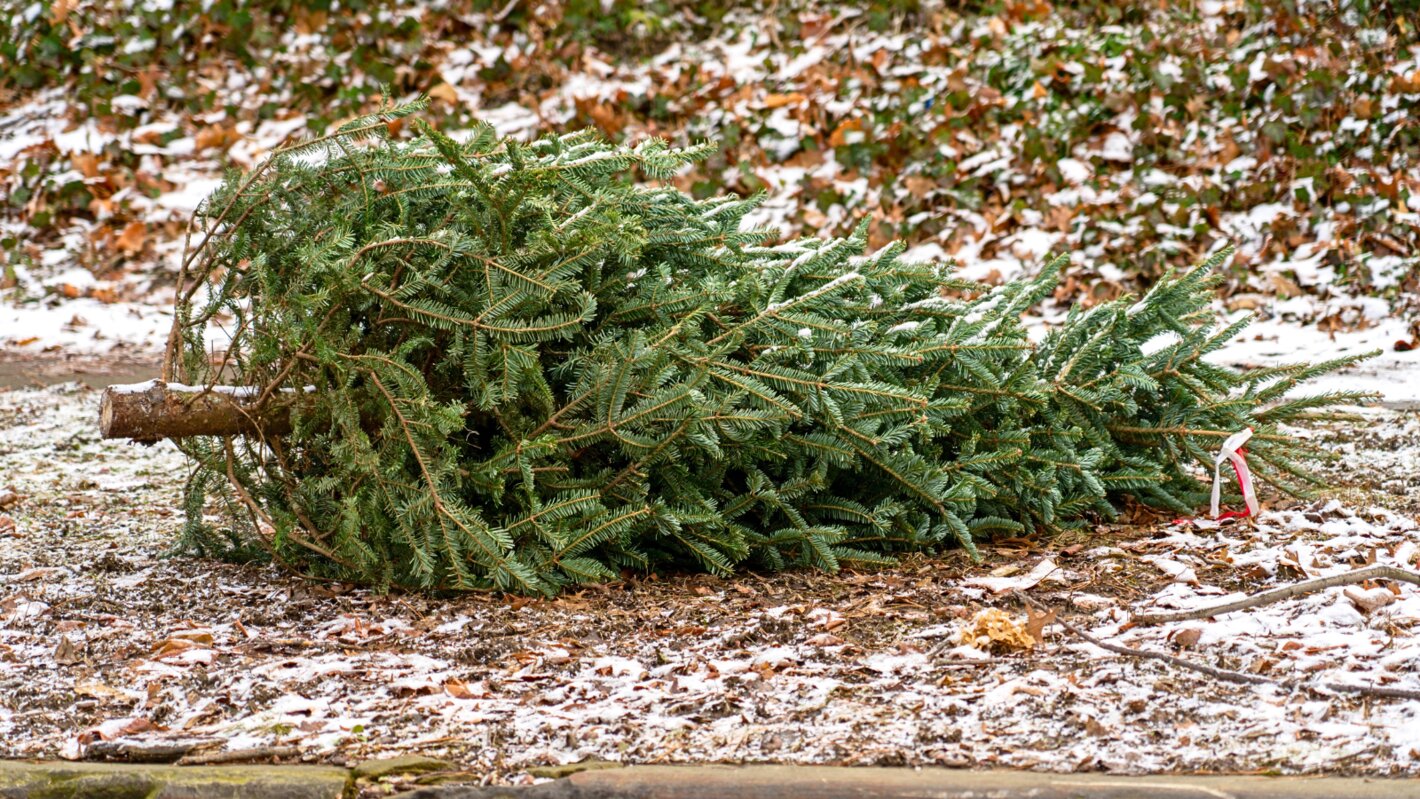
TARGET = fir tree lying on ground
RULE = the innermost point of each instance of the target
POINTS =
(521, 369)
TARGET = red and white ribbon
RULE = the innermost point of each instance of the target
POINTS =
(1234, 450)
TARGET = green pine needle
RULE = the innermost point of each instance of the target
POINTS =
(530, 371)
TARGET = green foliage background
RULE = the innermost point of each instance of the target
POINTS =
(1321, 106)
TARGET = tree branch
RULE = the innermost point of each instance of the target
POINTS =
(1227, 675)
(1149, 654)
(1284, 592)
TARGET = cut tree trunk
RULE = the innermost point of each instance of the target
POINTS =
(156, 410)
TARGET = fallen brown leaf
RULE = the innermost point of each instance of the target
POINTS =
(1369, 600)
(86, 163)
(174, 646)
(67, 654)
(131, 240)
(1187, 638)
(105, 295)
(1037, 622)
(459, 689)
(97, 690)
(445, 93)
(212, 136)
(780, 100)
(995, 629)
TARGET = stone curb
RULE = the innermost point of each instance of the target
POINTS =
(65, 780)
(829, 782)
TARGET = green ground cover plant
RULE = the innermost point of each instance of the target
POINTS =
(956, 115)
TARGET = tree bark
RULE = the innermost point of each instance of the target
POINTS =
(155, 410)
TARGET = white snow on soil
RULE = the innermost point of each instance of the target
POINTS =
(105, 637)
(1393, 374)
(82, 326)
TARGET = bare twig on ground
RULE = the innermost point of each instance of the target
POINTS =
(1284, 592)
(1148, 654)
(1224, 674)
(1372, 690)
(241, 755)
(146, 751)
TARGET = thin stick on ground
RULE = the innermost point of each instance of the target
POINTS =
(1372, 690)
(241, 756)
(1227, 675)
(1148, 654)
(1284, 592)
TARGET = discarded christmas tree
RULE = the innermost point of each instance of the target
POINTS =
(510, 365)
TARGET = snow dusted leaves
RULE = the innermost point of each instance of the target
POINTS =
(1001, 583)
(1176, 571)
(993, 629)
(1139, 144)
(1345, 635)
(854, 668)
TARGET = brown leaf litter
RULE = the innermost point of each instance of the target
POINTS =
(109, 642)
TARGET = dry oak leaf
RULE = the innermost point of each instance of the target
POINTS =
(603, 114)
(839, 136)
(444, 92)
(67, 654)
(38, 573)
(60, 11)
(1002, 580)
(130, 241)
(996, 630)
(459, 689)
(1037, 622)
(1406, 84)
(118, 728)
(97, 690)
(772, 101)
(1186, 638)
(104, 294)
(216, 136)
(1369, 600)
(827, 619)
(920, 186)
(175, 646)
(86, 163)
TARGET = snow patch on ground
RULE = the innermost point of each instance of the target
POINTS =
(103, 635)
(1393, 374)
(82, 326)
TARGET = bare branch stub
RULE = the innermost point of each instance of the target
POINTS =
(153, 411)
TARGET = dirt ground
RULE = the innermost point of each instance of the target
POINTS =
(110, 645)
